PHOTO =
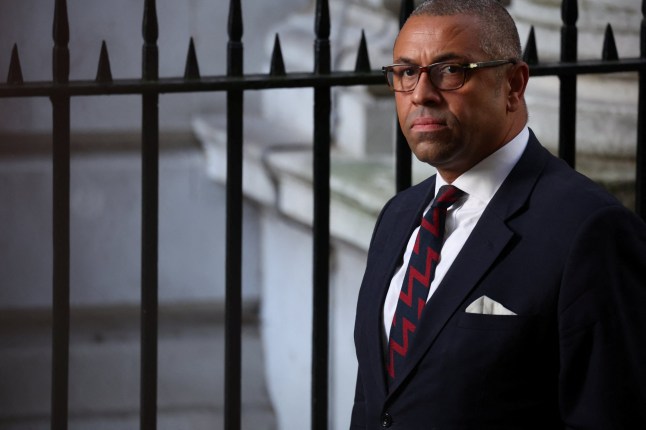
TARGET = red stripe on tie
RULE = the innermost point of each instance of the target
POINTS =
(394, 347)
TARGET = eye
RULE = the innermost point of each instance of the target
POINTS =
(410, 71)
(405, 71)
(449, 69)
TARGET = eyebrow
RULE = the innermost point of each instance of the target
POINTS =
(449, 56)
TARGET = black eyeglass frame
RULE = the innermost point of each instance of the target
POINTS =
(465, 68)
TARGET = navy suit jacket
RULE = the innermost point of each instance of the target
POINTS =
(563, 254)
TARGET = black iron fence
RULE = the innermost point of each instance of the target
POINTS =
(60, 90)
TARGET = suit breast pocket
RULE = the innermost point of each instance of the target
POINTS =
(481, 345)
(494, 322)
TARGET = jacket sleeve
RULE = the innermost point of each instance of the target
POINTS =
(602, 324)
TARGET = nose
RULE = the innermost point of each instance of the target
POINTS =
(425, 92)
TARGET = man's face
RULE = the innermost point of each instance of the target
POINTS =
(451, 130)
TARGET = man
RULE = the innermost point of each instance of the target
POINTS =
(532, 315)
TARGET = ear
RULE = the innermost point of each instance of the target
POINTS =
(518, 77)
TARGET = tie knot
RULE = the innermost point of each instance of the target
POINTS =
(447, 195)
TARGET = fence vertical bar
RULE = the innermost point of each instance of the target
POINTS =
(321, 220)
(640, 180)
(233, 301)
(149, 221)
(61, 222)
(403, 154)
(567, 95)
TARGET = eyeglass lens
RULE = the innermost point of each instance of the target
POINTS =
(443, 76)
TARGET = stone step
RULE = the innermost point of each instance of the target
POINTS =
(104, 371)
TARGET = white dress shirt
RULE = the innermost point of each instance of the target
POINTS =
(480, 184)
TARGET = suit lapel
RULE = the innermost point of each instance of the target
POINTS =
(488, 239)
(405, 218)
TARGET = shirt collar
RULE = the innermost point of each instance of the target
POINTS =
(483, 180)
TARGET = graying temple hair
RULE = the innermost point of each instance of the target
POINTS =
(498, 32)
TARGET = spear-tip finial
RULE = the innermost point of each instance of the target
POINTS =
(104, 72)
(363, 58)
(192, 69)
(322, 25)
(530, 55)
(15, 71)
(569, 12)
(609, 51)
(277, 67)
(235, 21)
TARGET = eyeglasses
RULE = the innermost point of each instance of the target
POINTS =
(444, 76)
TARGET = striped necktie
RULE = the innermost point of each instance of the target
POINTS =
(418, 278)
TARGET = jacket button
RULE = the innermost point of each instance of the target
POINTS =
(386, 420)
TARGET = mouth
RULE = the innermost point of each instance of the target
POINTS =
(426, 124)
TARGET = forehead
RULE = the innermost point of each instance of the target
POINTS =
(429, 39)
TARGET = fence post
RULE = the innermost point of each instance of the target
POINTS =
(149, 221)
(567, 97)
(61, 222)
(321, 221)
(233, 305)
(403, 154)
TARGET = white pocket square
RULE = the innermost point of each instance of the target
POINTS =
(486, 306)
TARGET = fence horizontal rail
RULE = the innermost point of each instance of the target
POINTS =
(264, 81)
(585, 67)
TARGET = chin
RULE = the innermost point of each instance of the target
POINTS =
(430, 153)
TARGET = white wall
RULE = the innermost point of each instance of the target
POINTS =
(287, 322)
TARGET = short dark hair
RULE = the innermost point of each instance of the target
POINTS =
(498, 33)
